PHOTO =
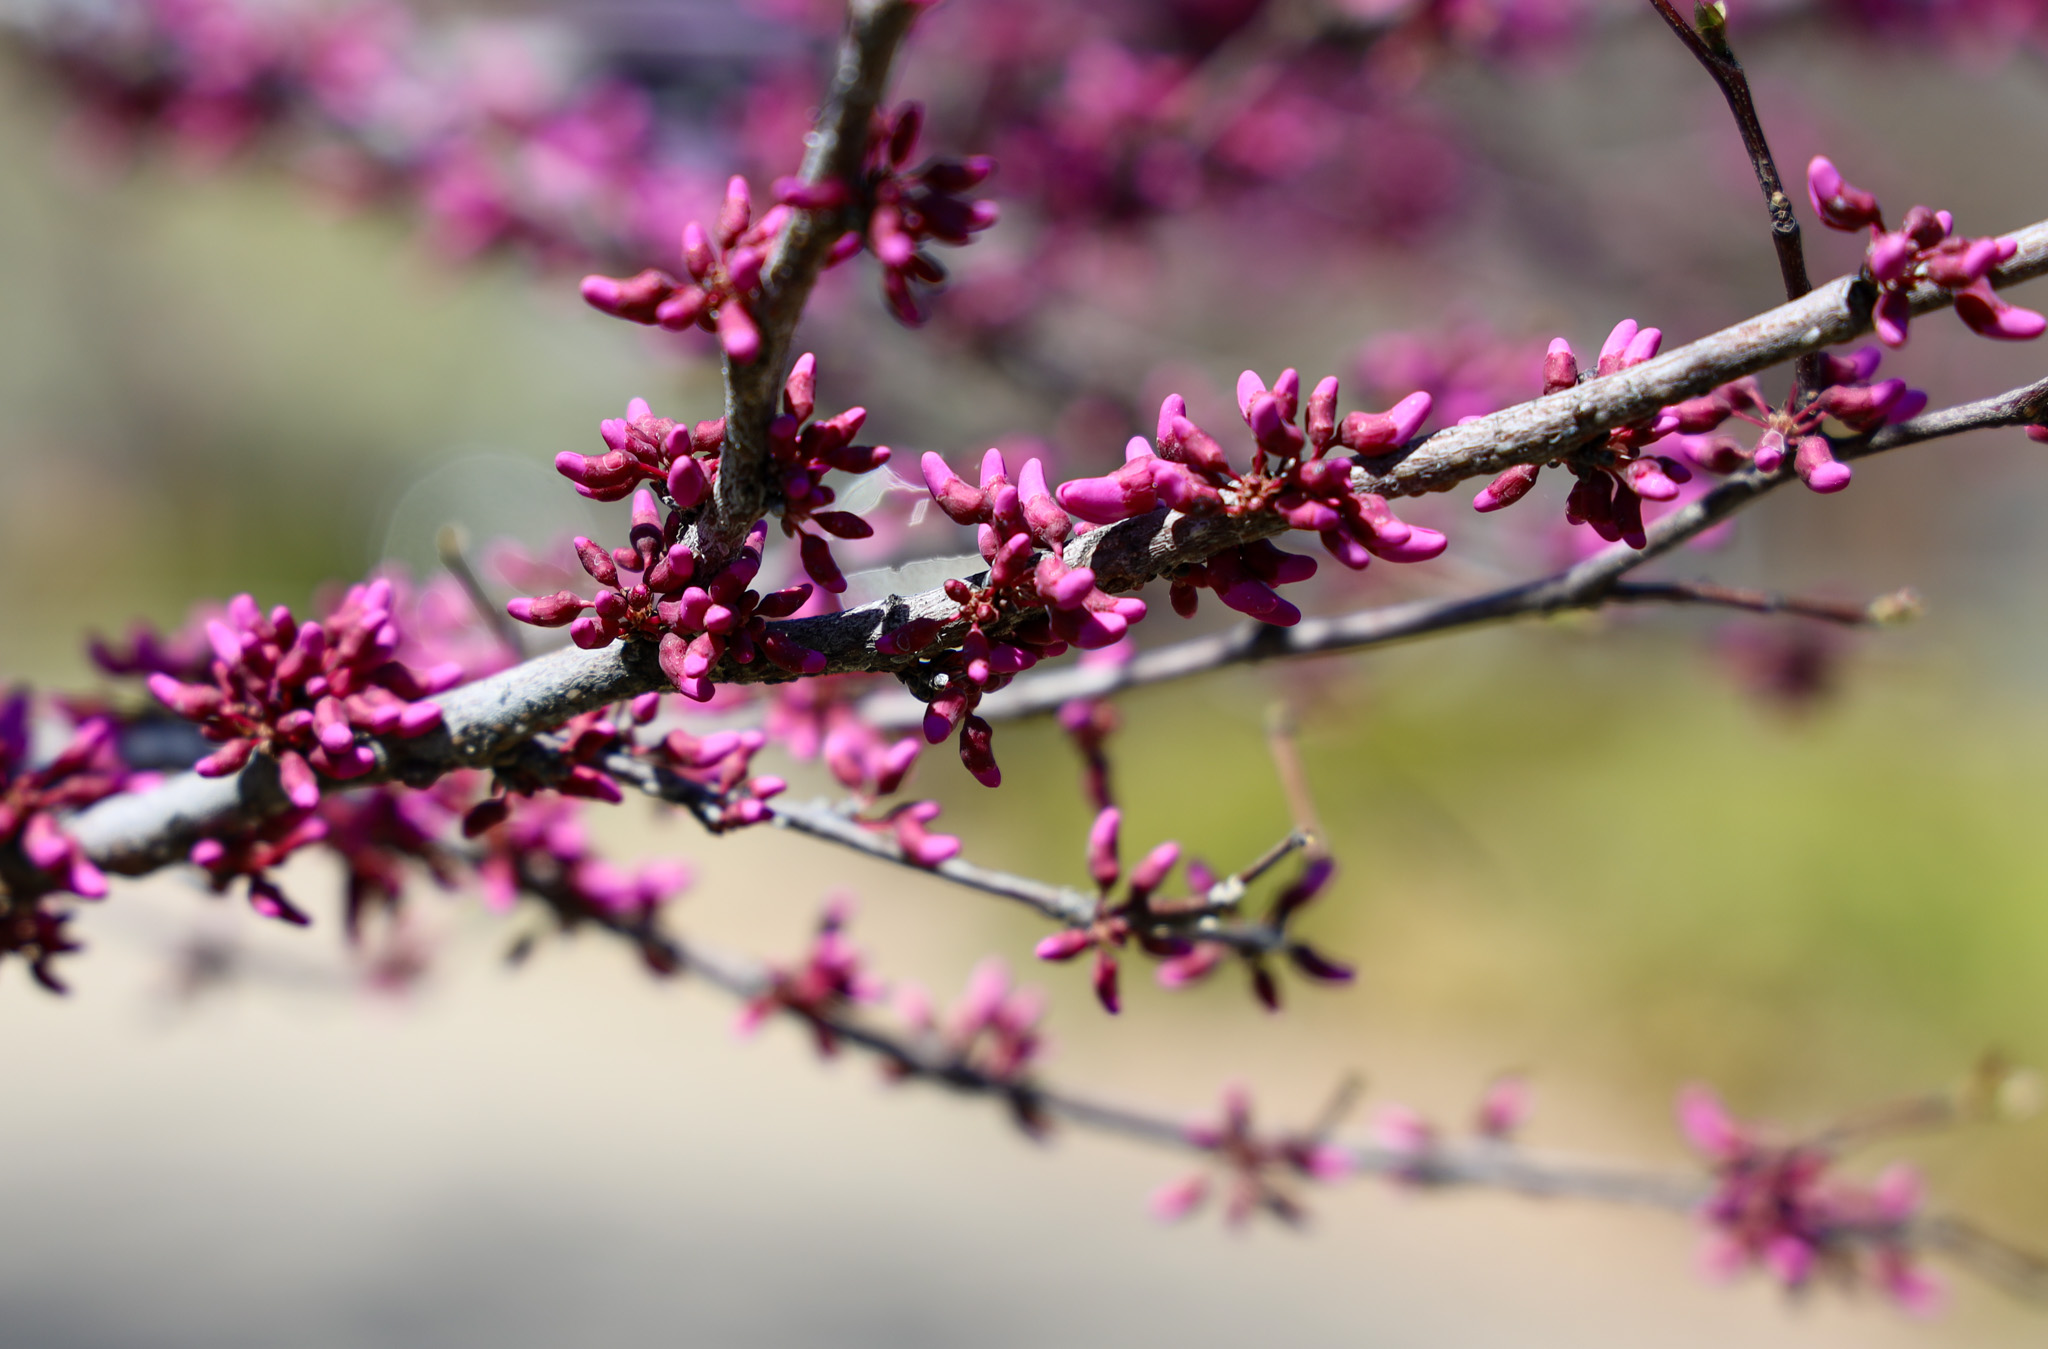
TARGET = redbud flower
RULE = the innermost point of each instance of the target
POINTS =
(1776, 1207)
(829, 981)
(1924, 248)
(300, 692)
(724, 270)
(1257, 1168)
(903, 208)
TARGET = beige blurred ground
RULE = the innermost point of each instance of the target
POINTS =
(1576, 850)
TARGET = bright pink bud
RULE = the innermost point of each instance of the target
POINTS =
(1151, 873)
(1103, 865)
(1989, 316)
(1839, 205)
(547, 611)
(1064, 945)
(1817, 467)
(687, 484)
(1506, 489)
(1647, 479)
(1612, 350)
(1260, 601)
(1560, 366)
(735, 212)
(1421, 545)
(737, 333)
(962, 503)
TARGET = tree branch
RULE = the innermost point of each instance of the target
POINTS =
(833, 152)
(488, 720)
(1590, 584)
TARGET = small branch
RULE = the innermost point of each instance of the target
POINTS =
(1710, 48)
(1892, 608)
(453, 547)
(833, 152)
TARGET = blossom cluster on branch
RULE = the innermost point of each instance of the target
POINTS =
(404, 735)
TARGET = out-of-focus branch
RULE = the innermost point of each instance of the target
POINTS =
(1443, 1164)
(833, 152)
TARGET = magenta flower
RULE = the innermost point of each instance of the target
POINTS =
(1292, 476)
(803, 455)
(1847, 397)
(643, 448)
(1924, 248)
(1777, 1208)
(1256, 1168)
(904, 209)
(300, 692)
(651, 592)
(827, 984)
(724, 268)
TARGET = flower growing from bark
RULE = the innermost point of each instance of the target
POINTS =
(651, 591)
(724, 267)
(301, 692)
(802, 455)
(1847, 396)
(903, 209)
(1776, 1207)
(1255, 1168)
(1923, 249)
(1293, 475)
(828, 983)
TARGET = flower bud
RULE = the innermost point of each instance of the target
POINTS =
(1838, 204)
(1506, 489)
(1817, 467)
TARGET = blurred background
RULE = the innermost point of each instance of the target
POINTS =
(1618, 852)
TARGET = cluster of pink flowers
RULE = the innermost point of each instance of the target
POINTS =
(538, 846)
(1923, 249)
(1847, 396)
(1616, 477)
(1012, 521)
(695, 625)
(1777, 1207)
(251, 853)
(803, 452)
(1200, 958)
(1292, 475)
(991, 1030)
(829, 982)
(724, 267)
(301, 692)
(382, 833)
(903, 208)
(37, 858)
(815, 718)
(1174, 929)
(1256, 1167)
(1115, 924)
